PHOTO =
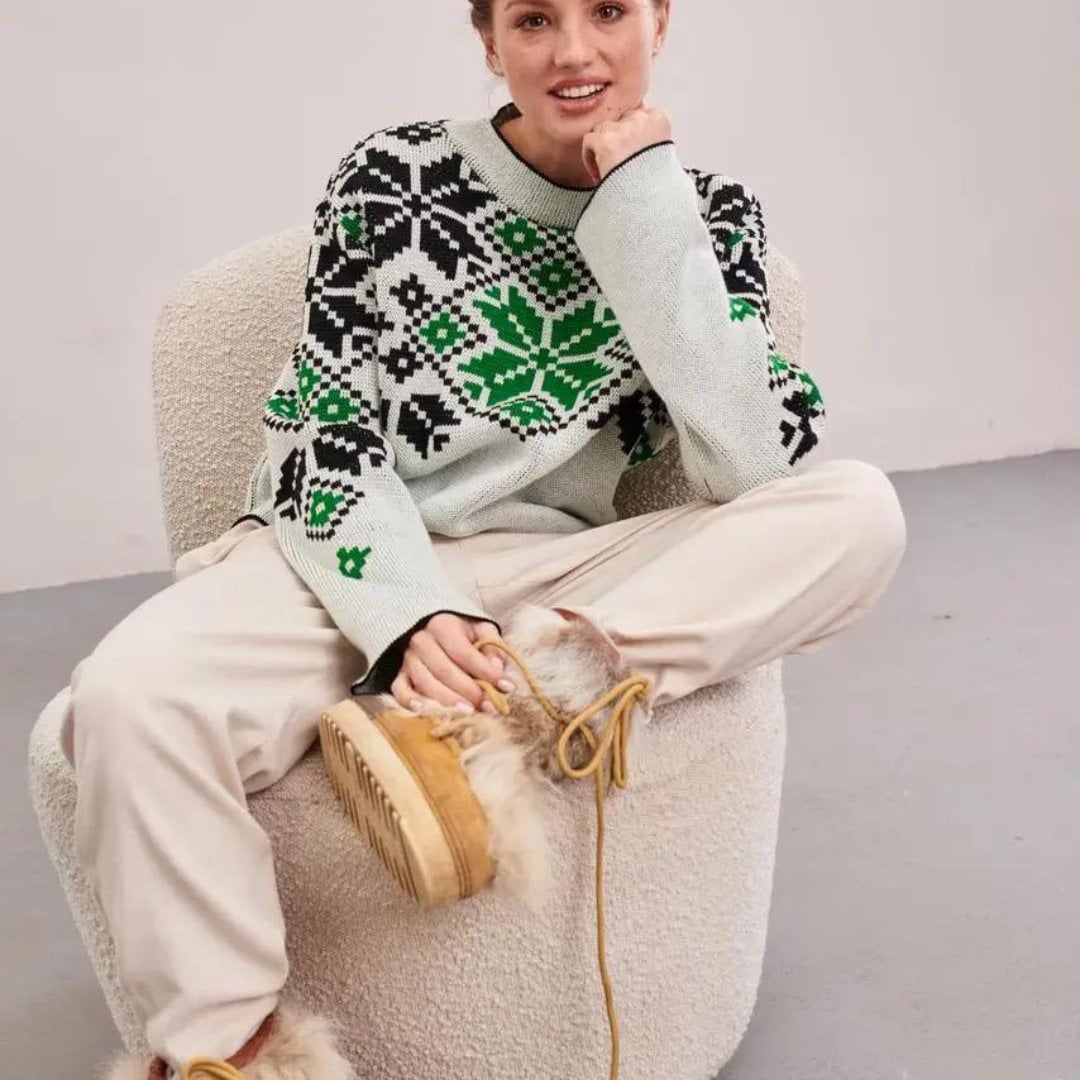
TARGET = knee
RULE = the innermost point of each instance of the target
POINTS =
(111, 711)
(872, 516)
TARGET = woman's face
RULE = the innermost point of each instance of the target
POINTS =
(539, 43)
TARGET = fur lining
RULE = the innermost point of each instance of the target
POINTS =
(511, 761)
(301, 1047)
(123, 1066)
(513, 802)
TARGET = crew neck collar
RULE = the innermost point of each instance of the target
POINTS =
(520, 185)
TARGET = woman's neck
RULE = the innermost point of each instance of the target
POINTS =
(563, 165)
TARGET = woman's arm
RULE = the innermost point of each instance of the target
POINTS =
(690, 292)
(343, 517)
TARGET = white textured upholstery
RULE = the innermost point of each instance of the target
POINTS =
(479, 989)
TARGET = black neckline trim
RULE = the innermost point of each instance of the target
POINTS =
(510, 111)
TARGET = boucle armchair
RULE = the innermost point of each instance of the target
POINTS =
(476, 990)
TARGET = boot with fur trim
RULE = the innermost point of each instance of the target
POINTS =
(292, 1043)
(452, 802)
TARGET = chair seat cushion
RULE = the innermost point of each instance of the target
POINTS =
(482, 990)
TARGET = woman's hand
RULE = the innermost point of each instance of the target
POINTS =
(443, 660)
(611, 142)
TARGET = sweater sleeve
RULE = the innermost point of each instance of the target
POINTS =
(689, 290)
(343, 518)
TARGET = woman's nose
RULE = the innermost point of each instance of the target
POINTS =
(573, 45)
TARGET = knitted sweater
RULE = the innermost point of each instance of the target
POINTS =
(483, 348)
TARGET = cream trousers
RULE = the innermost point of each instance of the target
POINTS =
(211, 689)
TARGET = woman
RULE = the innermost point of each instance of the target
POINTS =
(502, 316)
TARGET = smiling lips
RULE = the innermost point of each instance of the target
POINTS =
(581, 102)
(576, 90)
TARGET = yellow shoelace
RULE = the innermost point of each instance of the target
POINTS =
(615, 735)
(216, 1068)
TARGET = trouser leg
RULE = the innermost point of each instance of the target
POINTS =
(698, 593)
(208, 691)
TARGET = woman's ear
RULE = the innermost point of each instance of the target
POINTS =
(490, 56)
(662, 14)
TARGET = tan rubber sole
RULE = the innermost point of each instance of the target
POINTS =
(406, 791)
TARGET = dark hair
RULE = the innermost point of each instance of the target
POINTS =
(481, 13)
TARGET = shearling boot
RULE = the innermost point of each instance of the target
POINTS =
(453, 802)
(292, 1043)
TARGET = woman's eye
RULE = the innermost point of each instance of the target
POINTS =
(602, 7)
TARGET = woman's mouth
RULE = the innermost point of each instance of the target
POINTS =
(584, 103)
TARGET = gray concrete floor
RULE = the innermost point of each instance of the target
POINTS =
(924, 922)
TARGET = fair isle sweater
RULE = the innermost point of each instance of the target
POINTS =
(483, 348)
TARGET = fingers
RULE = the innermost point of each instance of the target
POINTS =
(488, 631)
(406, 695)
(463, 661)
(417, 686)
(441, 661)
(500, 676)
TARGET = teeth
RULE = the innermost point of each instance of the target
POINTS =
(580, 91)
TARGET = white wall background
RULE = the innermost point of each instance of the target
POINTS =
(918, 160)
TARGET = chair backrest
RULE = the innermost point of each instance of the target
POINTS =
(223, 337)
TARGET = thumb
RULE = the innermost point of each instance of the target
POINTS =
(590, 163)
